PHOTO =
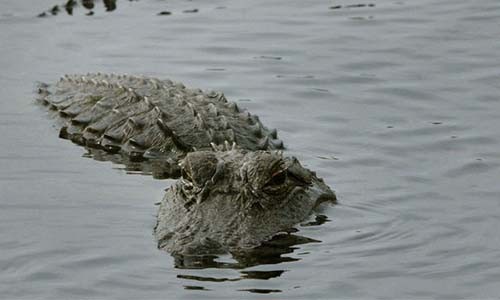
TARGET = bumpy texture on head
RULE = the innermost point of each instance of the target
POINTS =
(235, 199)
(143, 117)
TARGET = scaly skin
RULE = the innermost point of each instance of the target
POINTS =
(143, 117)
(234, 201)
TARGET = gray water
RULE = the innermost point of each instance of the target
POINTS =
(396, 105)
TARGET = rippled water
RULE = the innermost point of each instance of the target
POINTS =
(395, 103)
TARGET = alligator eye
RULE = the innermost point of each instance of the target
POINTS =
(277, 179)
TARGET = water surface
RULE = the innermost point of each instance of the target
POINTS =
(395, 103)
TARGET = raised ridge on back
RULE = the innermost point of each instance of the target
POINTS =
(144, 117)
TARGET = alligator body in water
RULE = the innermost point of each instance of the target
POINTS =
(235, 200)
(236, 190)
(141, 117)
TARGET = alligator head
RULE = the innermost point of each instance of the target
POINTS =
(232, 201)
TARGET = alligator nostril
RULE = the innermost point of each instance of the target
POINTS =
(327, 196)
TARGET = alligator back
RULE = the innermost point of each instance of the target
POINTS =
(143, 117)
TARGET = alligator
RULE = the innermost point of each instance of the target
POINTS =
(147, 118)
(236, 190)
(234, 200)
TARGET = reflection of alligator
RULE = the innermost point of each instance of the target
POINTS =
(235, 194)
(90, 7)
(352, 6)
(69, 6)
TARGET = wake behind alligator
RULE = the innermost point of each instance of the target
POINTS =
(236, 191)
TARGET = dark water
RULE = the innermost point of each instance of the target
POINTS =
(396, 104)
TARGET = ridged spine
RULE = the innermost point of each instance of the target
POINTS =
(138, 116)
